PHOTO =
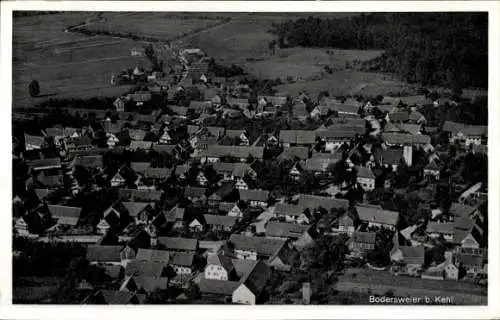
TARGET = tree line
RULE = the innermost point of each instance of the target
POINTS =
(446, 49)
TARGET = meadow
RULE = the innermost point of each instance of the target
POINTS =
(64, 63)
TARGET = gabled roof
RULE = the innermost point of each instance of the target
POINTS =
(176, 243)
(120, 297)
(388, 156)
(42, 193)
(134, 208)
(285, 230)
(140, 96)
(150, 284)
(144, 268)
(256, 280)
(146, 145)
(365, 172)
(236, 169)
(318, 164)
(216, 220)
(184, 259)
(220, 287)
(141, 194)
(194, 192)
(233, 151)
(313, 202)
(153, 255)
(34, 140)
(413, 255)
(253, 195)
(294, 152)
(199, 105)
(139, 167)
(399, 116)
(297, 136)
(220, 260)
(103, 253)
(457, 127)
(175, 214)
(283, 209)
(164, 148)
(158, 173)
(461, 210)
(64, 214)
(260, 245)
(339, 132)
(404, 138)
(436, 227)
(370, 214)
(182, 111)
(234, 133)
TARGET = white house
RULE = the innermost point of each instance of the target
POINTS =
(117, 180)
(366, 178)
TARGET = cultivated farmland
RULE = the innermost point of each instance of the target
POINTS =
(66, 64)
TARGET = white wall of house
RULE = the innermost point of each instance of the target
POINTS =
(243, 295)
(366, 183)
(235, 212)
(182, 269)
(246, 255)
(216, 272)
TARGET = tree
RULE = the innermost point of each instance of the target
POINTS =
(34, 88)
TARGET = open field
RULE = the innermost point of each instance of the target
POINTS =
(364, 280)
(305, 63)
(152, 24)
(349, 82)
(66, 64)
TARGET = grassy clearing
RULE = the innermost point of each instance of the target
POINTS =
(305, 63)
(151, 24)
(348, 83)
(66, 64)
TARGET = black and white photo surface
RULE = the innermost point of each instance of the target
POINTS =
(250, 158)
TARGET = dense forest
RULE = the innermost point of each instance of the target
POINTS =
(448, 49)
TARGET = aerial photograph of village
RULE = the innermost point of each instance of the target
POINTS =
(250, 158)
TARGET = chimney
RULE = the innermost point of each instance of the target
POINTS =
(306, 293)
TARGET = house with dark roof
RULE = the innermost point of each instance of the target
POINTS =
(466, 134)
(315, 202)
(105, 255)
(336, 136)
(412, 257)
(115, 297)
(390, 158)
(299, 234)
(248, 247)
(146, 268)
(432, 171)
(152, 255)
(182, 262)
(139, 195)
(143, 284)
(219, 223)
(141, 212)
(319, 162)
(256, 198)
(436, 229)
(404, 139)
(365, 178)
(252, 285)
(378, 217)
(291, 213)
(293, 153)
(178, 244)
(32, 142)
(303, 138)
(64, 215)
(214, 153)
